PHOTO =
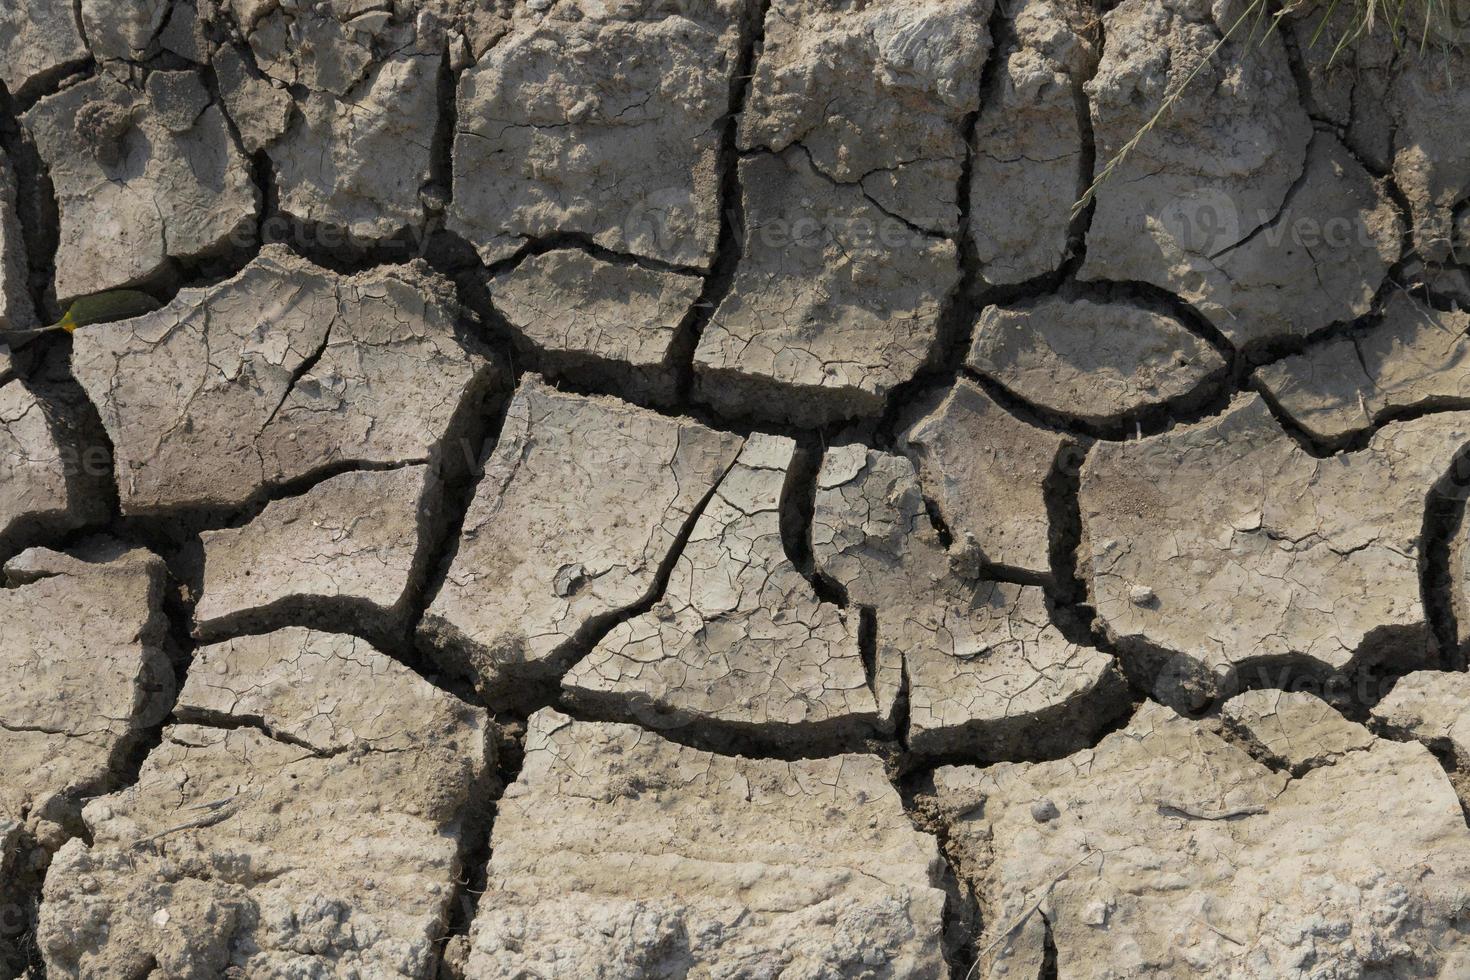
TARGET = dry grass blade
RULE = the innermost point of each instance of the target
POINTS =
(1366, 17)
(1256, 8)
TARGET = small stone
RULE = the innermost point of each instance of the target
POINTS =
(1044, 811)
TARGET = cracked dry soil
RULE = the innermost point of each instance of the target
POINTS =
(671, 489)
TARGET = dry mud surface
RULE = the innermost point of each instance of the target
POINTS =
(672, 489)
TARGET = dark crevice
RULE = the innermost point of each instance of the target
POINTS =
(962, 912)
(901, 712)
(302, 369)
(1086, 160)
(36, 209)
(263, 175)
(438, 193)
(340, 249)
(1055, 731)
(53, 81)
(1211, 396)
(477, 829)
(729, 244)
(753, 740)
(868, 644)
(798, 512)
(1048, 950)
(1195, 691)
(1441, 545)
(583, 242)
(205, 718)
(81, 440)
(1067, 592)
(455, 475)
(192, 519)
(648, 386)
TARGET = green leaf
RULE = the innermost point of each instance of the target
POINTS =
(119, 304)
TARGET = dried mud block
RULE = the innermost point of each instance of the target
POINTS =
(1400, 110)
(345, 549)
(986, 471)
(1429, 104)
(988, 674)
(358, 162)
(87, 674)
(1029, 142)
(600, 121)
(43, 489)
(1415, 358)
(833, 305)
(610, 320)
(1345, 85)
(1430, 706)
(39, 44)
(994, 678)
(1224, 547)
(260, 110)
(272, 376)
(583, 502)
(739, 643)
(141, 184)
(1167, 851)
(1230, 202)
(306, 816)
(352, 149)
(618, 851)
(871, 537)
(1100, 364)
(123, 29)
(876, 95)
(1293, 730)
(1247, 149)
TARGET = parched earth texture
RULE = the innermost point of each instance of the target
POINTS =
(675, 490)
